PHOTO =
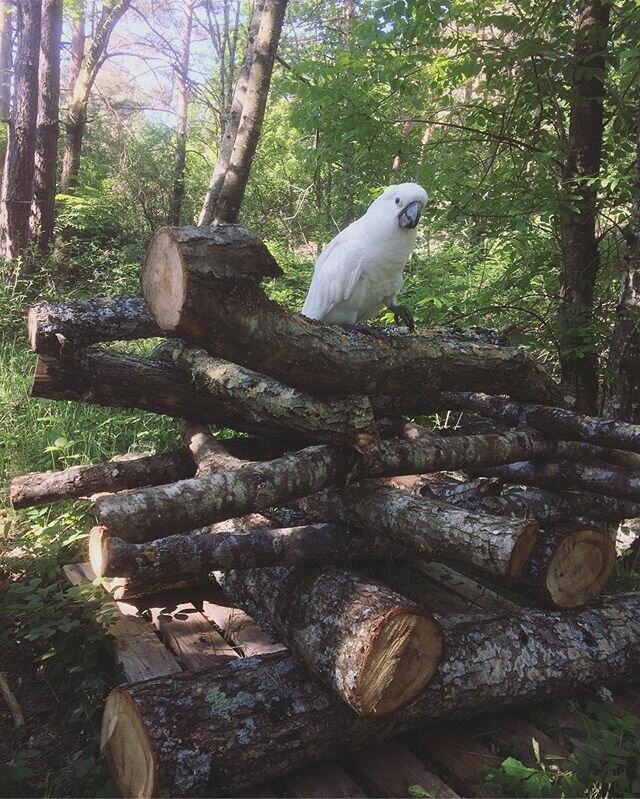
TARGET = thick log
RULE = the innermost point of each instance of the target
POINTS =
(220, 305)
(233, 546)
(61, 329)
(188, 504)
(266, 402)
(136, 471)
(598, 478)
(482, 542)
(556, 422)
(375, 648)
(220, 730)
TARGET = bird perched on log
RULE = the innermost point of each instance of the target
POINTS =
(360, 270)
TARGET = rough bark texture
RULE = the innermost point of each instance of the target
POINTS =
(61, 329)
(580, 262)
(485, 543)
(253, 108)
(225, 311)
(82, 481)
(261, 400)
(555, 422)
(599, 478)
(17, 179)
(152, 513)
(46, 150)
(220, 730)
(373, 647)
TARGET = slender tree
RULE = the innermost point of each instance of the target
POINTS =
(182, 89)
(44, 186)
(6, 63)
(17, 180)
(579, 360)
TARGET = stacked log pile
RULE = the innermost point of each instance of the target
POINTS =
(292, 519)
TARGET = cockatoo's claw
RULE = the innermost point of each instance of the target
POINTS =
(402, 314)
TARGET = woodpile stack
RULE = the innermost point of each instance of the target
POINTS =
(329, 487)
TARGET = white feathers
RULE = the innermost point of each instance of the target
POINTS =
(360, 270)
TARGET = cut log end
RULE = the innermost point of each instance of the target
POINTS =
(32, 328)
(125, 746)
(580, 568)
(402, 660)
(164, 280)
(523, 548)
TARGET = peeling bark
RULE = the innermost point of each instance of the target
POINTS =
(220, 730)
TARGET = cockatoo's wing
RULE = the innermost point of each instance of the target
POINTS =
(336, 273)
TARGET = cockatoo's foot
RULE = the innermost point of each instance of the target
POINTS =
(402, 314)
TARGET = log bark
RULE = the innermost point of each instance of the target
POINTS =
(222, 308)
(61, 329)
(555, 422)
(482, 542)
(224, 546)
(82, 481)
(218, 731)
(376, 649)
(596, 477)
(264, 401)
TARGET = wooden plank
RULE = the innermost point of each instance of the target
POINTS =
(240, 629)
(475, 595)
(139, 655)
(514, 735)
(189, 634)
(390, 769)
(323, 781)
(464, 758)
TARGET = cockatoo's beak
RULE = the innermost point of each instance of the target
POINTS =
(410, 216)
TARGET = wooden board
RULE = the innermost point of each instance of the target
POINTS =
(237, 626)
(323, 781)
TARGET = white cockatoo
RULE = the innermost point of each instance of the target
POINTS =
(360, 270)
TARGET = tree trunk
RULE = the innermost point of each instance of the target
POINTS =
(246, 140)
(622, 389)
(112, 11)
(232, 121)
(261, 400)
(46, 152)
(481, 542)
(61, 330)
(578, 358)
(374, 648)
(82, 481)
(599, 478)
(221, 307)
(6, 67)
(218, 731)
(17, 180)
(182, 107)
(196, 554)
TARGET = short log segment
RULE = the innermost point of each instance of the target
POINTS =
(195, 555)
(482, 542)
(61, 330)
(218, 731)
(376, 649)
(217, 303)
(82, 481)
(266, 402)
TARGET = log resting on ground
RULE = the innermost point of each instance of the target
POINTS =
(189, 504)
(227, 313)
(217, 731)
(375, 648)
(266, 402)
(482, 542)
(61, 329)
(133, 471)
(599, 478)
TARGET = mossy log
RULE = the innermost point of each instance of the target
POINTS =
(265, 402)
(62, 329)
(375, 648)
(217, 731)
(480, 541)
(203, 284)
(131, 471)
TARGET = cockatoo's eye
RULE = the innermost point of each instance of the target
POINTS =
(398, 201)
